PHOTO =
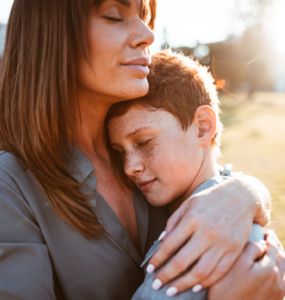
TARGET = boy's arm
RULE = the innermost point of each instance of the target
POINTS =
(213, 227)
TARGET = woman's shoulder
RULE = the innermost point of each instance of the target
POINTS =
(9, 161)
(11, 170)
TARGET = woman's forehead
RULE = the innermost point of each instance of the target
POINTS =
(126, 3)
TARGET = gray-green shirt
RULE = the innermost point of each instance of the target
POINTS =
(42, 257)
(146, 292)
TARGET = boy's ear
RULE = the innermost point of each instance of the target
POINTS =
(206, 121)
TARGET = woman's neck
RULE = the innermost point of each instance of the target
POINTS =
(89, 123)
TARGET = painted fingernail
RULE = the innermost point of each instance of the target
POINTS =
(172, 291)
(150, 268)
(262, 242)
(197, 288)
(162, 235)
(272, 232)
(157, 284)
(275, 234)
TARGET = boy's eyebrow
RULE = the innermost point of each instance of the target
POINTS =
(137, 131)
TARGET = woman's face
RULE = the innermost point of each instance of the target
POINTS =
(118, 44)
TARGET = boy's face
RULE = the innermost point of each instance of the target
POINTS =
(158, 156)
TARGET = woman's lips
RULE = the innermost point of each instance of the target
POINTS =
(146, 185)
(142, 70)
(139, 65)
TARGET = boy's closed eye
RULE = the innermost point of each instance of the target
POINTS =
(144, 143)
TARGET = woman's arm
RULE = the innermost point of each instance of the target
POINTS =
(25, 266)
(249, 279)
(259, 193)
(213, 228)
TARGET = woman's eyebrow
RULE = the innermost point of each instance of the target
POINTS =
(125, 3)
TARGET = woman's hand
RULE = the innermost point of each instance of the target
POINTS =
(211, 227)
(254, 280)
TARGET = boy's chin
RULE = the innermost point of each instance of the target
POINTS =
(157, 201)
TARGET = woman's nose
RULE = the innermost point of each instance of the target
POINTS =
(143, 37)
(133, 166)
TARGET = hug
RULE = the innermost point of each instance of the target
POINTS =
(109, 185)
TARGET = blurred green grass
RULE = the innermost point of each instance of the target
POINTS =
(254, 142)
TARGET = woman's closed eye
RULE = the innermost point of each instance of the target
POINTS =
(113, 19)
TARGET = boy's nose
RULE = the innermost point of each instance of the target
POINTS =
(133, 167)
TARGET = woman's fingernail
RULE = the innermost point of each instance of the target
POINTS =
(262, 242)
(157, 284)
(162, 235)
(150, 268)
(275, 234)
(197, 288)
(272, 232)
(172, 291)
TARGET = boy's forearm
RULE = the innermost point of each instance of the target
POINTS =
(258, 194)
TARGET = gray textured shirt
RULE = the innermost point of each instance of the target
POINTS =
(43, 258)
(146, 292)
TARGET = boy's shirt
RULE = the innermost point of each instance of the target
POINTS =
(146, 292)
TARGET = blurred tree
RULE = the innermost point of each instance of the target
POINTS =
(242, 62)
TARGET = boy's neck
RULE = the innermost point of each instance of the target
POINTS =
(209, 169)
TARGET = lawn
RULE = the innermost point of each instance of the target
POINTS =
(254, 142)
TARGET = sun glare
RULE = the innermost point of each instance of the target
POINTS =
(276, 25)
(280, 27)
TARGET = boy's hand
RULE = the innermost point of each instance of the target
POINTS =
(254, 280)
(211, 227)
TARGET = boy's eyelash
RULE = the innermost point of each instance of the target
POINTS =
(113, 19)
(145, 143)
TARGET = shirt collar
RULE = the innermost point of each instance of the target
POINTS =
(79, 165)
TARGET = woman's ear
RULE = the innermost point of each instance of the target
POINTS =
(206, 120)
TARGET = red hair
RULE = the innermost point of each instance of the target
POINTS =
(177, 84)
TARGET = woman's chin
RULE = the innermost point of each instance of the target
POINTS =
(135, 89)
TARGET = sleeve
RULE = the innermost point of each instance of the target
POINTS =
(25, 267)
(146, 292)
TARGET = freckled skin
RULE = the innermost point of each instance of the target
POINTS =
(161, 150)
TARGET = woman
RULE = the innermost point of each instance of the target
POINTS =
(68, 228)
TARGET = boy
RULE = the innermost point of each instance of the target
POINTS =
(169, 143)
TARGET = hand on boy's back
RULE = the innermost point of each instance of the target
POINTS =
(255, 275)
(211, 227)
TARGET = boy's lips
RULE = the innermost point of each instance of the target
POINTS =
(145, 185)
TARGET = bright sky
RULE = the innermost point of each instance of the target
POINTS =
(186, 22)
(5, 7)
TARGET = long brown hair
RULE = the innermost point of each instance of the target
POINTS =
(37, 81)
